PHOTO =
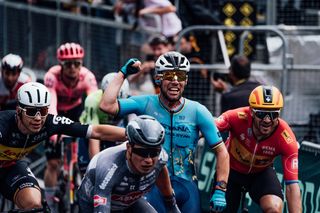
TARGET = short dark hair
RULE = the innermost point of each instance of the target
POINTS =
(158, 39)
(240, 66)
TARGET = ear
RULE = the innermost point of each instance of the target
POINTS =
(18, 110)
(157, 80)
(129, 148)
(251, 112)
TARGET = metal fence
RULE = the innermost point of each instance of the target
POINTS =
(36, 32)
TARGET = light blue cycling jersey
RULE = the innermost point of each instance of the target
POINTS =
(182, 129)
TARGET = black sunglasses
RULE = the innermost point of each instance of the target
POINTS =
(32, 111)
(146, 153)
(69, 64)
(261, 114)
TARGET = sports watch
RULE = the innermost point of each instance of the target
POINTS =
(221, 185)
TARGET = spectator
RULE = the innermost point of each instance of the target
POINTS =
(239, 74)
(135, 10)
(143, 82)
(11, 80)
(196, 12)
(170, 22)
(198, 80)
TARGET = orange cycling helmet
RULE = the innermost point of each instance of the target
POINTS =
(70, 51)
(266, 97)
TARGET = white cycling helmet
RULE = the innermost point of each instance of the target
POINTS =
(172, 61)
(12, 62)
(124, 90)
(33, 94)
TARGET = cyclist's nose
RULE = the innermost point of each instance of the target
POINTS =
(37, 116)
(267, 118)
(148, 160)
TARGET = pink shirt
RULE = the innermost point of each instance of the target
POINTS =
(64, 98)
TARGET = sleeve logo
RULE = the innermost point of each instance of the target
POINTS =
(286, 136)
(99, 201)
(62, 120)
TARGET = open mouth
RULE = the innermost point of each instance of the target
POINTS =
(173, 91)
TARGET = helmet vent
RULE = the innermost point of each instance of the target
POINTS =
(29, 96)
(38, 95)
(46, 97)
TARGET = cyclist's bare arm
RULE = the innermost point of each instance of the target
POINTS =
(294, 198)
(223, 164)
(94, 147)
(163, 183)
(109, 102)
(108, 133)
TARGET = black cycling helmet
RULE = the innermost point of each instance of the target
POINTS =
(12, 63)
(145, 130)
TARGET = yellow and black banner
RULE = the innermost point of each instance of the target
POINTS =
(239, 13)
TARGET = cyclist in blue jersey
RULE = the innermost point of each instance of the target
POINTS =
(182, 119)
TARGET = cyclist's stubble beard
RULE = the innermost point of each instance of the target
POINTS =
(167, 98)
(259, 129)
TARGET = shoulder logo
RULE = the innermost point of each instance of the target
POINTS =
(242, 115)
(108, 176)
(62, 120)
(286, 136)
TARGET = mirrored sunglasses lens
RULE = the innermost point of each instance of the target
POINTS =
(275, 115)
(70, 63)
(145, 153)
(179, 76)
(43, 111)
(263, 114)
(33, 111)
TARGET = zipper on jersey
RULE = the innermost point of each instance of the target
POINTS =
(253, 154)
(171, 141)
(24, 147)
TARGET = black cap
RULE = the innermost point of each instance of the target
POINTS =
(158, 39)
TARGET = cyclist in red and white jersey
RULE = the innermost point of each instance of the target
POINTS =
(11, 80)
(67, 82)
(256, 137)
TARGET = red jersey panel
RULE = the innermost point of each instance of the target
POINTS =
(247, 155)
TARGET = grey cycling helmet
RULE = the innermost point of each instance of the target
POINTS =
(172, 61)
(145, 130)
